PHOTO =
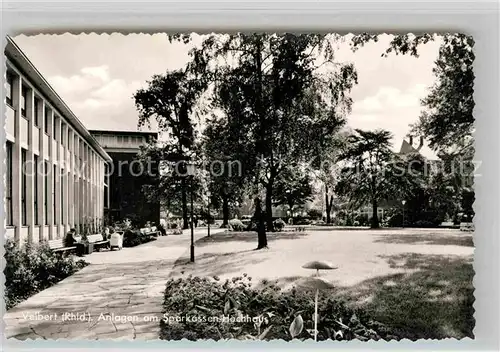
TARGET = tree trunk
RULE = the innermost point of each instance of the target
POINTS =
(375, 224)
(269, 207)
(261, 228)
(225, 211)
(185, 217)
(328, 206)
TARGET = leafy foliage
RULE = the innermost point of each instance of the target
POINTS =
(293, 188)
(314, 213)
(203, 308)
(170, 100)
(268, 87)
(373, 172)
(447, 120)
(132, 238)
(32, 268)
(227, 165)
(279, 225)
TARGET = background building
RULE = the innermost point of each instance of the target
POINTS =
(55, 169)
(127, 200)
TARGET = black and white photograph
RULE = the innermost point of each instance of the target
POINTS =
(249, 186)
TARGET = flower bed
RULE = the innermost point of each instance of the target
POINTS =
(205, 308)
(32, 268)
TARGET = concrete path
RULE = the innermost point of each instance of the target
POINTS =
(119, 295)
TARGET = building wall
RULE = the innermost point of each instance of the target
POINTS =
(62, 182)
(127, 199)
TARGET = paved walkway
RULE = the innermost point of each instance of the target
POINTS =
(119, 295)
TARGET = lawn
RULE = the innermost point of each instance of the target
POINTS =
(418, 281)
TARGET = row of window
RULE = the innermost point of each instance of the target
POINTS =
(36, 110)
(24, 177)
(105, 139)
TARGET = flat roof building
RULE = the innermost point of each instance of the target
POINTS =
(128, 176)
(55, 169)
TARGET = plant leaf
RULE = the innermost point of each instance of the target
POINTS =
(296, 326)
(310, 331)
(205, 309)
(341, 324)
(265, 332)
(227, 307)
(233, 302)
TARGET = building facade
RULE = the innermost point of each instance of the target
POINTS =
(128, 176)
(55, 169)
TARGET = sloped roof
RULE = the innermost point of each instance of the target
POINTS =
(407, 148)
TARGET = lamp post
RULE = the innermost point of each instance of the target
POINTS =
(403, 202)
(190, 171)
(209, 215)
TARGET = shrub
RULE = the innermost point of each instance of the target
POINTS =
(315, 213)
(423, 223)
(32, 268)
(396, 220)
(279, 225)
(132, 238)
(205, 308)
(301, 221)
(362, 220)
(236, 225)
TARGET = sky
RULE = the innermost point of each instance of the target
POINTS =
(97, 75)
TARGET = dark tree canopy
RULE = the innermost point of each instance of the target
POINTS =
(373, 172)
(268, 87)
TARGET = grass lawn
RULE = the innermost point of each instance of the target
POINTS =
(419, 281)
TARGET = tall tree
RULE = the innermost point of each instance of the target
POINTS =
(225, 164)
(372, 173)
(264, 78)
(447, 120)
(293, 188)
(170, 100)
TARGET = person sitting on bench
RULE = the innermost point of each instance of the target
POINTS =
(72, 238)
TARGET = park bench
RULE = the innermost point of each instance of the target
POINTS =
(59, 247)
(149, 231)
(97, 241)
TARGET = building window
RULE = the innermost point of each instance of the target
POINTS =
(54, 183)
(24, 100)
(36, 112)
(35, 189)
(10, 88)
(24, 184)
(62, 133)
(8, 190)
(106, 201)
(46, 191)
(55, 120)
(46, 120)
(62, 206)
